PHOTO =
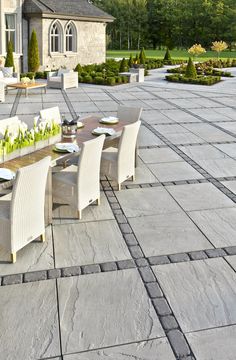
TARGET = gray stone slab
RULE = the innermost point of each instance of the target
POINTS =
(143, 175)
(210, 115)
(99, 96)
(29, 322)
(88, 243)
(62, 106)
(148, 201)
(202, 152)
(217, 344)
(155, 156)
(219, 167)
(201, 293)
(199, 197)
(85, 107)
(158, 104)
(155, 117)
(110, 105)
(168, 234)
(30, 108)
(208, 133)
(180, 116)
(219, 225)
(144, 350)
(184, 138)
(33, 257)
(229, 149)
(232, 261)
(65, 214)
(147, 138)
(105, 309)
(175, 171)
(170, 129)
(229, 112)
(231, 185)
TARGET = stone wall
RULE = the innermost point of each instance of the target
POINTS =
(91, 46)
(14, 7)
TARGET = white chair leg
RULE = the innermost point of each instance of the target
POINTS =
(98, 201)
(42, 237)
(133, 178)
(79, 214)
(13, 257)
(119, 187)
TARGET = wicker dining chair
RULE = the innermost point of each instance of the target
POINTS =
(51, 114)
(79, 186)
(22, 213)
(119, 164)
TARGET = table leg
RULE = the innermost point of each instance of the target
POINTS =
(26, 92)
(48, 199)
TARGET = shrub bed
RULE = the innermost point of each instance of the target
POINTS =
(200, 79)
(202, 69)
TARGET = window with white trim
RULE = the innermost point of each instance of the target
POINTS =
(70, 37)
(55, 38)
(10, 28)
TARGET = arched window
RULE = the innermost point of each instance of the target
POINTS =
(55, 37)
(70, 37)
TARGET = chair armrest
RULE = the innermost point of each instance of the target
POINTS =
(51, 73)
(16, 75)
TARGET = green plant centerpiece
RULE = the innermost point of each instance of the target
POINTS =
(19, 140)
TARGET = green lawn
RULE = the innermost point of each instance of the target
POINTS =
(175, 54)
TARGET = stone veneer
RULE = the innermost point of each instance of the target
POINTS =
(91, 47)
(14, 7)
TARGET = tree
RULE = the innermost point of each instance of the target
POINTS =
(219, 46)
(167, 56)
(123, 65)
(196, 50)
(33, 53)
(191, 71)
(9, 62)
(142, 57)
(131, 61)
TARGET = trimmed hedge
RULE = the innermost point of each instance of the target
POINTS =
(199, 80)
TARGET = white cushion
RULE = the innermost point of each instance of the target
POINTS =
(55, 78)
(7, 71)
(62, 71)
(10, 80)
(1, 74)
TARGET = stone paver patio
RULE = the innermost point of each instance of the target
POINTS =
(150, 274)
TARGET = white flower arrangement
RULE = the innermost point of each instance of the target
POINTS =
(20, 136)
(25, 80)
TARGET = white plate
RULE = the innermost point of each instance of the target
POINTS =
(80, 124)
(102, 130)
(70, 147)
(109, 120)
(7, 174)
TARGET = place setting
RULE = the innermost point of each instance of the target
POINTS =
(66, 148)
(6, 174)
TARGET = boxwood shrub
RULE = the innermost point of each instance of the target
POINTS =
(199, 80)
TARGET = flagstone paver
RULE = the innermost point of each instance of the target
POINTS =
(150, 273)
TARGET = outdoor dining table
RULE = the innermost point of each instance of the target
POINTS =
(83, 134)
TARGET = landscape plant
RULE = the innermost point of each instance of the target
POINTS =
(9, 62)
(33, 53)
(191, 72)
(219, 46)
(142, 57)
(196, 50)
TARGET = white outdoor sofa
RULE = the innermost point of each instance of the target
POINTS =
(62, 79)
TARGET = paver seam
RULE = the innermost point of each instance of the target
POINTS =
(16, 103)
(175, 336)
(70, 106)
(191, 162)
(139, 262)
(195, 115)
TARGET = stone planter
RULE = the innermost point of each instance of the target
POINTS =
(12, 155)
(54, 139)
(139, 72)
(38, 145)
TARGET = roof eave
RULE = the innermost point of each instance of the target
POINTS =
(71, 17)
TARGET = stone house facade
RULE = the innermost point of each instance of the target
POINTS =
(68, 31)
